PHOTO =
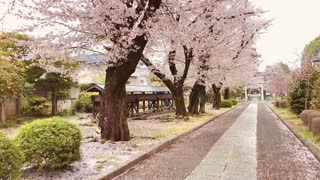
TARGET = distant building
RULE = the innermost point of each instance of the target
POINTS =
(92, 70)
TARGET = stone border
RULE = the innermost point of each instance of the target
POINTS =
(157, 149)
(315, 150)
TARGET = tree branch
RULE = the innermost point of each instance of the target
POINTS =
(158, 73)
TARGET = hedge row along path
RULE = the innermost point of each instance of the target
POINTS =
(249, 142)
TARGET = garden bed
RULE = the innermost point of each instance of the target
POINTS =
(100, 159)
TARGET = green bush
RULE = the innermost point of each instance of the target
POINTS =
(50, 143)
(35, 105)
(84, 103)
(234, 101)
(11, 159)
(226, 103)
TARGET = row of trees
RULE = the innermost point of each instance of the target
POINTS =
(205, 43)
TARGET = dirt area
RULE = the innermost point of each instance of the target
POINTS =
(99, 159)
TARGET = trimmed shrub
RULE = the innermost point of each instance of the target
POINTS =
(11, 159)
(315, 125)
(304, 116)
(84, 103)
(226, 103)
(234, 101)
(281, 103)
(311, 115)
(49, 143)
(35, 105)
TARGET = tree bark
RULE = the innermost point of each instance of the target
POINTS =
(179, 101)
(226, 93)
(18, 110)
(115, 110)
(54, 103)
(2, 111)
(203, 99)
(216, 97)
(194, 96)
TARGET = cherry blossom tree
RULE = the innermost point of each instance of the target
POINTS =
(278, 78)
(205, 30)
(112, 27)
(228, 50)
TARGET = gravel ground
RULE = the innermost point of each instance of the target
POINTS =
(181, 158)
(280, 154)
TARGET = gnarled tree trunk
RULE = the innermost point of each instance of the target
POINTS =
(197, 97)
(179, 101)
(216, 96)
(194, 96)
(115, 110)
(203, 99)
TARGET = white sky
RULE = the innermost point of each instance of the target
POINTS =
(296, 23)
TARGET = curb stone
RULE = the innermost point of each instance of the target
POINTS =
(312, 147)
(158, 148)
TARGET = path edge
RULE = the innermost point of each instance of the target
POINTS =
(160, 147)
(312, 147)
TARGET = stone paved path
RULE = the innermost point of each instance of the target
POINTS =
(247, 143)
(234, 155)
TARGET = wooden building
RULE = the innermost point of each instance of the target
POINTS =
(139, 97)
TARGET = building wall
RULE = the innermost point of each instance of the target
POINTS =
(10, 108)
(67, 104)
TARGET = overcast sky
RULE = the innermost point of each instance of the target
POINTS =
(296, 23)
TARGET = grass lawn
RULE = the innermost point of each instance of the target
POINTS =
(297, 125)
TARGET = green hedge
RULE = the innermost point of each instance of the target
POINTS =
(11, 159)
(234, 101)
(226, 103)
(50, 143)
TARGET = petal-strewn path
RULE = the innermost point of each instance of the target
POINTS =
(247, 143)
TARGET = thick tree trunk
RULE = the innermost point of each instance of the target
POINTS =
(2, 112)
(203, 99)
(18, 110)
(194, 96)
(226, 93)
(179, 102)
(54, 102)
(216, 96)
(115, 112)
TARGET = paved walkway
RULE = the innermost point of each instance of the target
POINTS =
(247, 143)
(178, 161)
(234, 155)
